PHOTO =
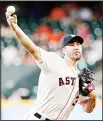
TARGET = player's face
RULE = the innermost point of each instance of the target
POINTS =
(73, 50)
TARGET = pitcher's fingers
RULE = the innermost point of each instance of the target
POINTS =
(7, 14)
(11, 21)
(15, 16)
(11, 18)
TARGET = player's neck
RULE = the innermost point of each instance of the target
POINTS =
(70, 61)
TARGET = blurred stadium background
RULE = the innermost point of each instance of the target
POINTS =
(46, 23)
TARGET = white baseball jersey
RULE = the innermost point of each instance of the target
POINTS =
(58, 87)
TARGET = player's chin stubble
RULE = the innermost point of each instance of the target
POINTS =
(77, 57)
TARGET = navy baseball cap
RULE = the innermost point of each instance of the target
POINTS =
(70, 38)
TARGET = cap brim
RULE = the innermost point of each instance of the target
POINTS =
(77, 38)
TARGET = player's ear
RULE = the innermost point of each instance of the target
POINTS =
(63, 50)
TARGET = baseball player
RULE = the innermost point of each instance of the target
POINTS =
(58, 88)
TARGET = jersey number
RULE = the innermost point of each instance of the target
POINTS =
(75, 100)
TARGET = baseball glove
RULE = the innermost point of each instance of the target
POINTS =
(85, 82)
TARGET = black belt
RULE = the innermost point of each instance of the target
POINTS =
(39, 116)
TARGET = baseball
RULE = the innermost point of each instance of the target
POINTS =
(11, 9)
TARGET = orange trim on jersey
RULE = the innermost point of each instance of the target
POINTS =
(66, 103)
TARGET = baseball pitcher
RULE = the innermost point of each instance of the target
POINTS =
(61, 84)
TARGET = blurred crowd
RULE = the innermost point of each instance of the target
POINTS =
(48, 32)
